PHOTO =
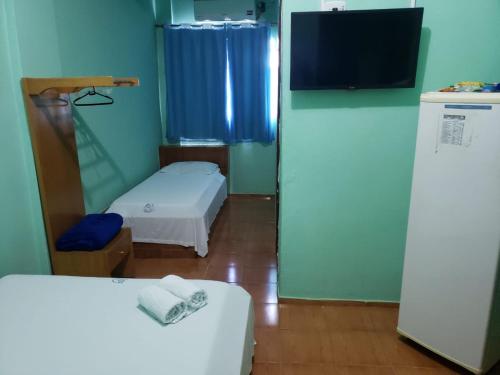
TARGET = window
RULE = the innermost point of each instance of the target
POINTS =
(222, 83)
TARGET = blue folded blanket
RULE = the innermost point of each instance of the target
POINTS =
(93, 232)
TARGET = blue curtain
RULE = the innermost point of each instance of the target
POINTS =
(196, 68)
(249, 79)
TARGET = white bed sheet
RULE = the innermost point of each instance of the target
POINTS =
(184, 207)
(59, 325)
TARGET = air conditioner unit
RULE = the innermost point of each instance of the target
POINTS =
(226, 10)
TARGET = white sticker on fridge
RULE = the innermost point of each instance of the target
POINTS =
(452, 130)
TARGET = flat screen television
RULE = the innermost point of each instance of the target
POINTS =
(365, 49)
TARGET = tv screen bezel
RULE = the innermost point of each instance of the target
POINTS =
(413, 66)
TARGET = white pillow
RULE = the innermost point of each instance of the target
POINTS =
(188, 167)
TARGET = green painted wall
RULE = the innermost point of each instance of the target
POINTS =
(182, 11)
(22, 238)
(118, 145)
(253, 168)
(252, 165)
(347, 157)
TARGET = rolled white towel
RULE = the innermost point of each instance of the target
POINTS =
(194, 296)
(162, 305)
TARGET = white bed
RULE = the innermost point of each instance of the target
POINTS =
(61, 325)
(173, 208)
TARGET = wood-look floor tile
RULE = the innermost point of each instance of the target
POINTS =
(266, 315)
(264, 231)
(266, 369)
(266, 234)
(234, 215)
(264, 243)
(231, 274)
(302, 317)
(262, 293)
(221, 245)
(358, 348)
(363, 370)
(235, 231)
(427, 371)
(268, 346)
(225, 260)
(260, 275)
(307, 369)
(306, 347)
(261, 247)
(158, 268)
(259, 259)
(403, 352)
(348, 318)
(196, 263)
(383, 318)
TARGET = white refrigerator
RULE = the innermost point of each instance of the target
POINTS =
(450, 298)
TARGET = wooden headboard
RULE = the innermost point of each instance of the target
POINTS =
(214, 154)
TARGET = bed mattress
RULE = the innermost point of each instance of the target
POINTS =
(170, 208)
(61, 325)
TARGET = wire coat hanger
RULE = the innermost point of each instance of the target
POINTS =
(92, 92)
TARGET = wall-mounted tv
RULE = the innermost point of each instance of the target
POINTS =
(364, 49)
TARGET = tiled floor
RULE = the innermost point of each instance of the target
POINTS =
(297, 339)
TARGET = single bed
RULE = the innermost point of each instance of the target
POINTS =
(62, 325)
(176, 208)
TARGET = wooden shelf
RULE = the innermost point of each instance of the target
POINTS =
(117, 258)
(55, 152)
(36, 86)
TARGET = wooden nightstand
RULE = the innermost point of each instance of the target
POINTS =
(116, 259)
